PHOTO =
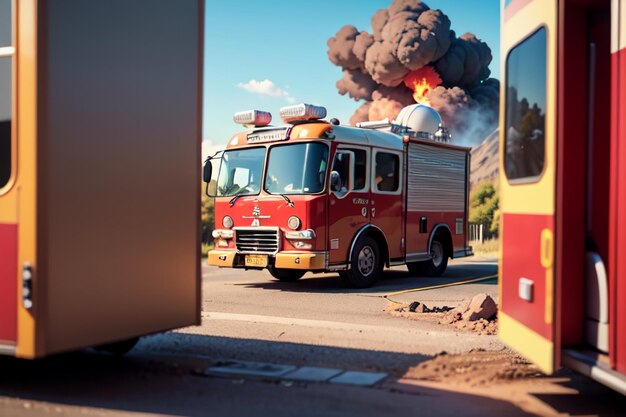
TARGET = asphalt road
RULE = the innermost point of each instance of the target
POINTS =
(317, 322)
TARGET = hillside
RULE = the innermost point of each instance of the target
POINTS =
(485, 164)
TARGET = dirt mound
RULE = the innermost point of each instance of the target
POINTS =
(477, 314)
(476, 368)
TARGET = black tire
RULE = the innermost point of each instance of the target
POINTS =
(438, 262)
(365, 266)
(118, 348)
(285, 275)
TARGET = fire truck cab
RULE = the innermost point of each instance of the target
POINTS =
(316, 196)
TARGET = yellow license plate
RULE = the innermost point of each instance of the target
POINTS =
(259, 261)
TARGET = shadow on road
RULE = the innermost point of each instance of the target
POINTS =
(392, 280)
(164, 376)
(587, 397)
(169, 380)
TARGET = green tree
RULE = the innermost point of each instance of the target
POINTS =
(495, 223)
(484, 206)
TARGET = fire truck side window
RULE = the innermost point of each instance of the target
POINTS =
(525, 109)
(341, 164)
(387, 172)
(6, 76)
(360, 169)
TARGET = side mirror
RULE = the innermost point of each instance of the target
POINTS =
(342, 172)
(206, 171)
(211, 184)
(335, 181)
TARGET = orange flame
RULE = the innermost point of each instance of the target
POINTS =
(421, 90)
(422, 81)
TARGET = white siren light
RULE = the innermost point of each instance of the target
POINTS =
(302, 112)
(253, 117)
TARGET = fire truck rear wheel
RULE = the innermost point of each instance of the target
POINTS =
(438, 262)
(286, 275)
(417, 268)
(365, 265)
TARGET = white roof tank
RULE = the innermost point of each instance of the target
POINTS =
(419, 118)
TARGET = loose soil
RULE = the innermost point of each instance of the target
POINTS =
(501, 375)
(476, 368)
(481, 327)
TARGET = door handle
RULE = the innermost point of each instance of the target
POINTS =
(547, 261)
(547, 248)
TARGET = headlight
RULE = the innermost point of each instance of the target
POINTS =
(222, 234)
(227, 222)
(302, 245)
(294, 223)
(301, 235)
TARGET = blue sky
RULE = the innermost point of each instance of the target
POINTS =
(285, 42)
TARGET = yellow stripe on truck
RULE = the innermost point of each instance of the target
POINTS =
(530, 344)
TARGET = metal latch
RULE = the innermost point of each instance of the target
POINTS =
(27, 286)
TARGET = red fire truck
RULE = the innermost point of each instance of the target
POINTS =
(563, 185)
(316, 196)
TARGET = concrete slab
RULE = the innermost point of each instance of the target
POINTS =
(258, 369)
(312, 373)
(366, 379)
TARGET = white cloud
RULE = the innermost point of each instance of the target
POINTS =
(209, 148)
(265, 88)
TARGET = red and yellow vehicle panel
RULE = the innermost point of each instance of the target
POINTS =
(80, 249)
(563, 229)
(528, 193)
(18, 195)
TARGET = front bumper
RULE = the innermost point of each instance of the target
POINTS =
(223, 258)
(309, 261)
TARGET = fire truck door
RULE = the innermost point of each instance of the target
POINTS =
(386, 205)
(348, 206)
(527, 183)
(8, 202)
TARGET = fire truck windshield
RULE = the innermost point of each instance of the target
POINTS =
(297, 169)
(241, 172)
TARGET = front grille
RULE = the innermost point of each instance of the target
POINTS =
(256, 240)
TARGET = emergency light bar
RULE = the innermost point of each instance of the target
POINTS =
(253, 117)
(302, 112)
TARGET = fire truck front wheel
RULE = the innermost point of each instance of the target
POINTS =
(365, 264)
(287, 275)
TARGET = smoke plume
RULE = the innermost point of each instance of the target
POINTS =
(413, 55)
